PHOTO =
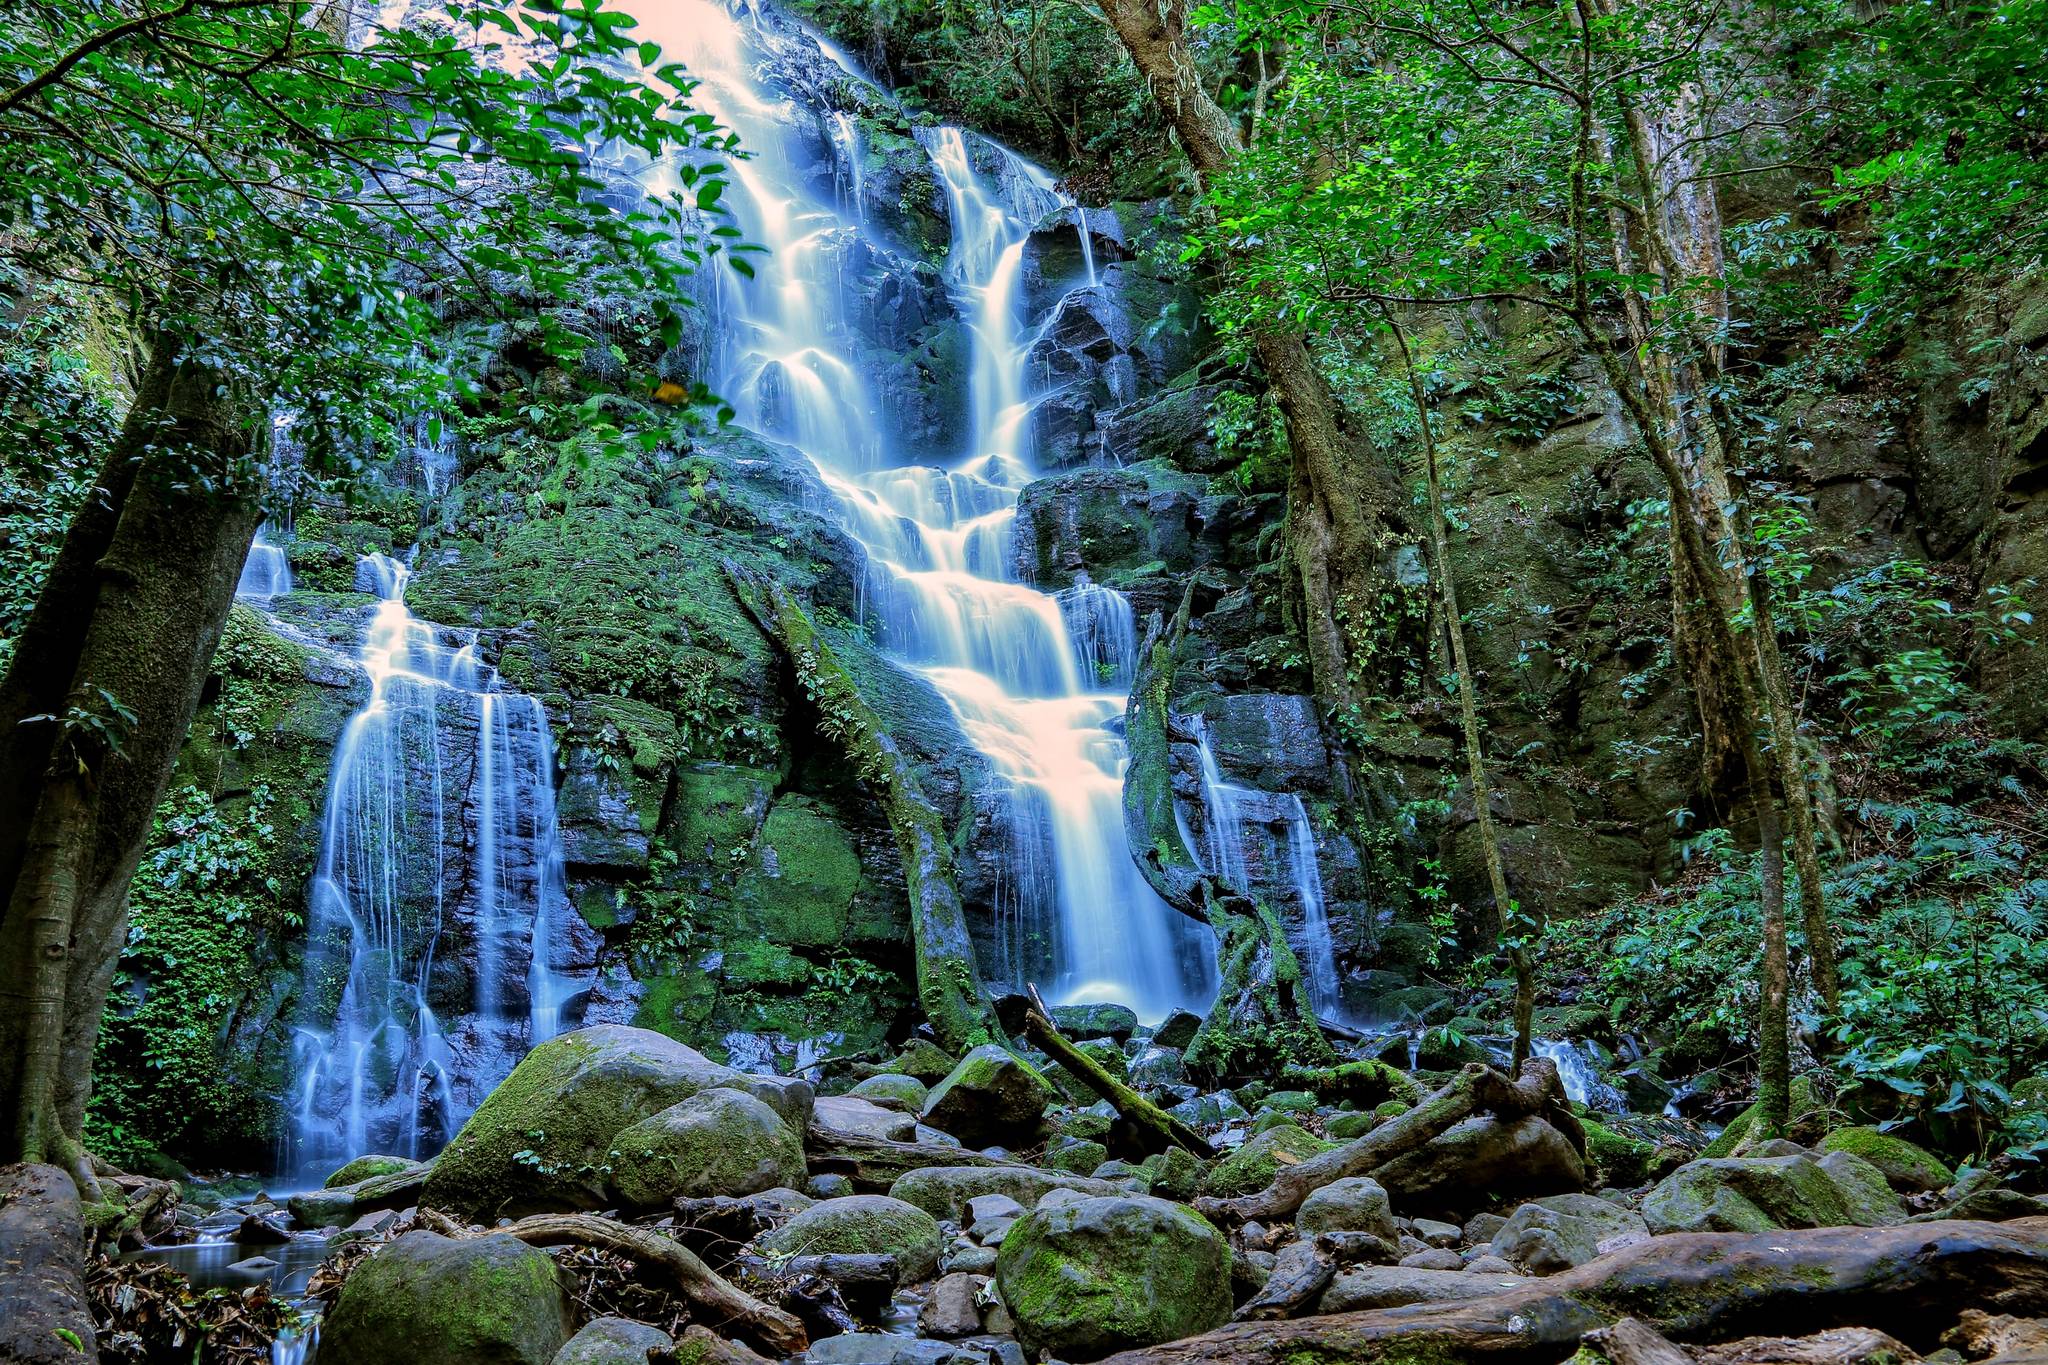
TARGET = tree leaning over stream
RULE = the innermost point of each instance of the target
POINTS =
(272, 201)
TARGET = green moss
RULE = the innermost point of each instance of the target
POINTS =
(363, 1167)
(1251, 1166)
(805, 876)
(1905, 1166)
(1622, 1160)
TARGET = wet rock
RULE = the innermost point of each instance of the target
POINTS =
(861, 1118)
(1251, 1166)
(1381, 1286)
(254, 1264)
(1079, 1156)
(490, 1300)
(1177, 1030)
(614, 1341)
(1156, 1066)
(1565, 1230)
(906, 1093)
(993, 1096)
(364, 1167)
(1209, 1111)
(829, 1186)
(1354, 1204)
(1757, 1194)
(889, 1348)
(718, 1141)
(1083, 1022)
(951, 1310)
(578, 1092)
(870, 1223)
(945, 1191)
(1103, 1275)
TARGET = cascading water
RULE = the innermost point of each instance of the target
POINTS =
(266, 573)
(439, 878)
(1037, 681)
(1230, 812)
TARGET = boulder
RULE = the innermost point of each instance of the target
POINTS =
(1905, 1167)
(364, 1167)
(864, 1223)
(945, 1191)
(718, 1141)
(893, 1092)
(993, 1096)
(1565, 1230)
(1251, 1166)
(1758, 1194)
(614, 1341)
(1354, 1204)
(1482, 1159)
(951, 1310)
(861, 1118)
(1177, 1029)
(1101, 1275)
(490, 1300)
(336, 1206)
(1083, 1022)
(538, 1142)
(1388, 1286)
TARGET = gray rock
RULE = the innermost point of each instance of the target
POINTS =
(614, 1341)
(254, 1264)
(864, 1223)
(1480, 1227)
(951, 1310)
(1438, 1234)
(830, 1185)
(1101, 1275)
(1486, 1263)
(974, 1260)
(1083, 1022)
(1566, 1230)
(992, 1096)
(490, 1300)
(1757, 1194)
(1482, 1156)
(893, 1092)
(1355, 1204)
(944, 1191)
(863, 1118)
(996, 1205)
(718, 1141)
(1210, 1111)
(1434, 1258)
(1379, 1286)
(888, 1348)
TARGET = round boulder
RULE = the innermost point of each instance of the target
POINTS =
(614, 1341)
(718, 1141)
(1356, 1204)
(872, 1223)
(893, 1092)
(1094, 1276)
(490, 1300)
(992, 1098)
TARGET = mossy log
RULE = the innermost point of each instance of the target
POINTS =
(661, 1262)
(1145, 1125)
(1911, 1281)
(874, 1164)
(1262, 1018)
(949, 985)
(1477, 1089)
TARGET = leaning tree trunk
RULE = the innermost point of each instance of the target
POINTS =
(1263, 1017)
(151, 615)
(1342, 510)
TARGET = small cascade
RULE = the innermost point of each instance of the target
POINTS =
(439, 880)
(266, 573)
(1230, 813)
(1582, 1084)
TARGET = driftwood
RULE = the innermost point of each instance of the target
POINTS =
(874, 1164)
(1634, 1342)
(1911, 1280)
(866, 1281)
(1146, 1126)
(43, 1313)
(661, 1261)
(1478, 1089)
(1305, 1268)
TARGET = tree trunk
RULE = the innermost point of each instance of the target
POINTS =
(145, 629)
(1343, 511)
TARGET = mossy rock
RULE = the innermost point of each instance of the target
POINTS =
(1759, 1194)
(923, 1059)
(993, 1096)
(364, 1167)
(906, 1093)
(1347, 1126)
(864, 1223)
(490, 1300)
(1622, 1160)
(1447, 1049)
(1101, 1275)
(1362, 1084)
(1079, 1156)
(805, 877)
(1176, 1173)
(1747, 1127)
(1907, 1168)
(943, 1191)
(1251, 1167)
(718, 1141)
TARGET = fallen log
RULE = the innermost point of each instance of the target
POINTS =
(661, 1261)
(1910, 1280)
(1475, 1090)
(874, 1164)
(1145, 1125)
(42, 1269)
(865, 1280)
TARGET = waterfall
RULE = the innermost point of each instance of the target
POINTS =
(266, 573)
(439, 878)
(1036, 681)
(1230, 812)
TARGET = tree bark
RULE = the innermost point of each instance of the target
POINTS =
(42, 1269)
(1910, 1281)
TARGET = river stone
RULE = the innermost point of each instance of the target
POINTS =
(718, 1141)
(893, 1092)
(614, 1341)
(537, 1142)
(490, 1300)
(1907, 1168)
(1083, 1022)
(944, 1191)
(864, 1223)
(1481, 1159)
(1251, 1167)
(1102, 1275)
(992, 1097)
(1177, 1029)
(1355, 1204)
(1565, 1230)
(364, 1167)
(863, 1118)
(1388, 1286)
(1758, 1194)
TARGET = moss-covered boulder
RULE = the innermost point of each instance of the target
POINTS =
(540, 1141)
(858, 1223)
(718, 1141)
(906, 1093)
(1447, 1049)
(1083, 1022)
(1100, 1275)
(489, 1300)
(943, 1191)
(1906, 1168)
(993, 1096)
(1355, 1204)
(614, 1341)
(1620, 1159)
(1251, 1166)
(1757, 1194)
(1565, 1230)
(364, 1167)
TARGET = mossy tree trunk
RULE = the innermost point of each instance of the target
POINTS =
(949, 984)
(128, 620)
